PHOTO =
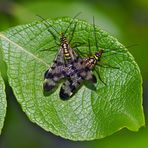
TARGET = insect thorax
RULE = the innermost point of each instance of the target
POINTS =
(90, 62)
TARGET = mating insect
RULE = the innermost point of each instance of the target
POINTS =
(81, 71)
(65, 56)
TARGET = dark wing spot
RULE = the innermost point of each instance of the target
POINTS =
(72, 87)
(80, 76)
(64, 96)
(64, 73)
(53, 67)
(78, 82)
(55, 61)
(87, 69)
(47, 87)
(59, 63)
(48, 75)
(70, 81)
(57, 74)
(94, 79)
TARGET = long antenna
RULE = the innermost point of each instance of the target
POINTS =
(73, 32)
(72, 21)
(89, 48)
(95, 33)
(119, 51)
(132, 45)
(47, 24)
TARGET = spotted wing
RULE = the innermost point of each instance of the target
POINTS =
(73, 54)
(78, 75)
(55, 73)
(70, 56)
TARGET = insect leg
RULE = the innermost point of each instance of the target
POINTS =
(106, 65)
(98, 73)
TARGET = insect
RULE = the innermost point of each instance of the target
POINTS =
(65, 56)
(81, 71)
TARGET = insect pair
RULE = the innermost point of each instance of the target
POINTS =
(70, 66)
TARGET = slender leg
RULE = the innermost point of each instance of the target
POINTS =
(98, 73)
(49, 49)
(73, 33)
(106, 65)
(78, 44)
(81, 54)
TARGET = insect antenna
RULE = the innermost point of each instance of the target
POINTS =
(95, 33)
(89, 48)
(47, 24)
(72, 21)
(105, 51)
(132, 45)
(113, 52)
(73, 32)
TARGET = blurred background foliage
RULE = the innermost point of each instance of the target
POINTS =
(126, 20)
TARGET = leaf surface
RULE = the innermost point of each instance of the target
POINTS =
(3, 102)
(88, 114)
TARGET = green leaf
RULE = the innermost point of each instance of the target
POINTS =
(88, 114)
(3, 103)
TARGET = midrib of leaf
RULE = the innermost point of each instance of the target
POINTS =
(23, 49)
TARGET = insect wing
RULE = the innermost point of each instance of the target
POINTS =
(77, 75)
(73, 54)
(69, 87)
(54, 73)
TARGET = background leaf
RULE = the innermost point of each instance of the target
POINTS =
(3, 103)
(88, 114)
